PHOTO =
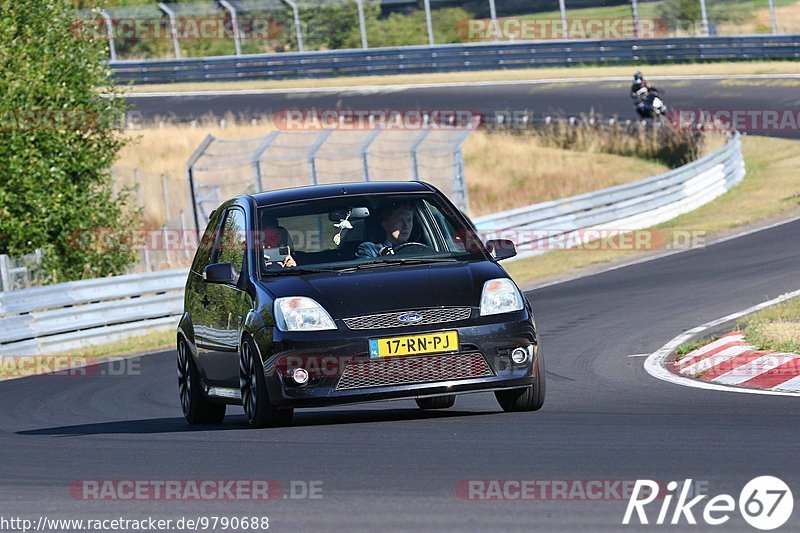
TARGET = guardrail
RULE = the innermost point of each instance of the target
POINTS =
(627, 207)
(457, 57)
(69, 316)
(73, 315)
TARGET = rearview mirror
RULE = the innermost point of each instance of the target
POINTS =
(221, 273)
(501, 248)
(355, 213)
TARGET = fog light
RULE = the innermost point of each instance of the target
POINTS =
(519, 355)
(300, 376)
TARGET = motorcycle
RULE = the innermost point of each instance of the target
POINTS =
(649, 105)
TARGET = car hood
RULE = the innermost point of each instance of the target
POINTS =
(391, 288)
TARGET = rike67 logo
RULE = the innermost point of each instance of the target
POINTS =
(765, 503)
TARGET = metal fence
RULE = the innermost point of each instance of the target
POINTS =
(78, 314)
(166, 239)
(70, 316)
(222, 168)
(21, 272)
(240, 27)
(627, 207)
(453, 58)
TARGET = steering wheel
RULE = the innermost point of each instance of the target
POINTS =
(398, 250)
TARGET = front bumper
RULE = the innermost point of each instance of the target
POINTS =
(342, 371)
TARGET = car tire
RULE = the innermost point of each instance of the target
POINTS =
(530, 398)
(197, 409)
(437, 402)
(258, 410)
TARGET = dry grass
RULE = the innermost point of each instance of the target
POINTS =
(787, 17)
(503, 170)
(775, 328)
(771, 189)
(68, 362)
(654, 71)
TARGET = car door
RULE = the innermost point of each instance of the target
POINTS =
(228, 303)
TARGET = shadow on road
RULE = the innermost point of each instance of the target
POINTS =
(238, 422)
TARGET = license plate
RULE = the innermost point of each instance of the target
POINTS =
(446, 341)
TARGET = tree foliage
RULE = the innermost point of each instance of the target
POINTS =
(60, 134)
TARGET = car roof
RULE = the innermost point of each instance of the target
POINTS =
(313, 192)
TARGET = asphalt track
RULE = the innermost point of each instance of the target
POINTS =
(391, 466)
(608, 98)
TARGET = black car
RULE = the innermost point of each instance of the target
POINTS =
(355, 292)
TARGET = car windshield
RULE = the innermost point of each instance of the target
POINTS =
(362, 231)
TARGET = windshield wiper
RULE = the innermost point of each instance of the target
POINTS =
(398, 261)
(296, 270)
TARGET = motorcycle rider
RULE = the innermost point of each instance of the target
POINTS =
(642, 93)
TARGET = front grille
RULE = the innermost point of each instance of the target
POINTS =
(391, 320)
(410, 370)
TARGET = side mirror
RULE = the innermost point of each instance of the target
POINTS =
(221, 273)
(501, 248)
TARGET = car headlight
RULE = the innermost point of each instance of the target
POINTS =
(298, 313)
(500, 296)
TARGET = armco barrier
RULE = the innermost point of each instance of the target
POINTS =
(72, 315)
(457, 57)
(631, 206)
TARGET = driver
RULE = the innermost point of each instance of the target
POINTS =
(397, 222)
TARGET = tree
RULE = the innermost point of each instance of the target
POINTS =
(61, 130)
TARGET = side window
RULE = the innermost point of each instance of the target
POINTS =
(453, 241)
(205, 247)
(233, 243)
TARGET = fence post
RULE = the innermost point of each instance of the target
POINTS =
(312, 154)
(5, 274)
(173, 27)
(704, 16)
(563, 8)
(146, 250)
(297, 30)
(635, 15)
(362, 23)
(460, 192)
(183, 236)
(165, 192)
(428, 22)
(493, 15)
(235, 24)
(772, 17)
(364, 151)
(256, 158)
(110, 31)
(414, 146)
(190, 176)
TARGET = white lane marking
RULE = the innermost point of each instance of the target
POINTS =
(791, 385)
(707, 363)
(654, 364)
(727, 339)
(444, 85)
(662, 256)
(754, 368)
(639, 355)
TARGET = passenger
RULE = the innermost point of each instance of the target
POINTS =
(274, 237)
